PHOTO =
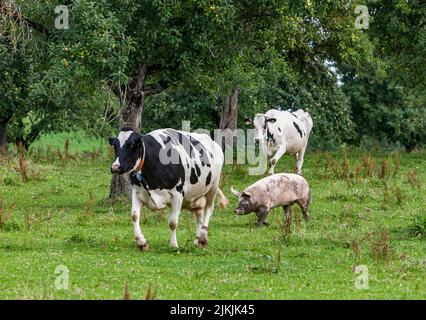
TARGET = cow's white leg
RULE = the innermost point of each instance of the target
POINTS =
(277, 156)
(136, 213)
(299, 161)
(208, 212)
(174, 218)
(199, 216)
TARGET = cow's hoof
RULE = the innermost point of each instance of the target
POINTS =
(202, 239)
(143, 246)
(200, 243)
(266, 224)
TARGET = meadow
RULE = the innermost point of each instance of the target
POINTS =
(368, 209)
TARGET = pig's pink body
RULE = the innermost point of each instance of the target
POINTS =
(278, 190)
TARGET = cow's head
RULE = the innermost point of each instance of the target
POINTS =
(129, 150)
(260, 122)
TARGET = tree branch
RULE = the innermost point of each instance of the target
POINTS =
(20, 19)
(159, 87)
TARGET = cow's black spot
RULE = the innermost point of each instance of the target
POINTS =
(297, 128)
(197, 168)
(193, 178)
(190, 144)
(209, 178)
(295, 116)
(182, 139)
(166, 139)
(179, 188)
(269, 136)
(156, 174)
(279, 129)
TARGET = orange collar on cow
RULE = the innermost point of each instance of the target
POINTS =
(140, 165)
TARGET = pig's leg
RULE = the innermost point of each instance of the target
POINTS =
(287, 210)
(262, 213)
(304, 205)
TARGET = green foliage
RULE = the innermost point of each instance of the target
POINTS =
(391, 104)
(169, 109)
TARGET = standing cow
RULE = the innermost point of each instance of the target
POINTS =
(282, 132)
(170, 168)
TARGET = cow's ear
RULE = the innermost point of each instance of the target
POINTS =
(111, 141)
(271, 120)
(248, 121)
(139, 140)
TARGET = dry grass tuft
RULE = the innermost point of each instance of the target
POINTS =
(150, 295)
(126, 294)
(414, 180)
(380, 247)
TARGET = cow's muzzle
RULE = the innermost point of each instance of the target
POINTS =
(115, 168)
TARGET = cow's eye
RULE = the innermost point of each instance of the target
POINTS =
(132, 146)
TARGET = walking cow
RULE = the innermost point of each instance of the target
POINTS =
(170, 168)
(282, 132)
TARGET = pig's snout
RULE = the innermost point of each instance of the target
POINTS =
(239, 211)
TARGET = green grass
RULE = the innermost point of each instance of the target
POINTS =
(79, 142)
(61, 216)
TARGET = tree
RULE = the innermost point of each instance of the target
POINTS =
(390, 104)
(32, 101)
(140, 49)
(228, 116)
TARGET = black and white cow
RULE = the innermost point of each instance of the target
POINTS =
(170, 168)
(282, 132)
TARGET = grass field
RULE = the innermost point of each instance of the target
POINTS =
(367, 209)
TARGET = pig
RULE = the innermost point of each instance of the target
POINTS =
(281, 189)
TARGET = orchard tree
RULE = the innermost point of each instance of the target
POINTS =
(391, 105)
(33, 102)
(138, 49)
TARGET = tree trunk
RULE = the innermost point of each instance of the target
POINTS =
(132, 101)
(3, 135)
(228, 118)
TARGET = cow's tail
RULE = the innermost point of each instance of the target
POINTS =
(222, 200)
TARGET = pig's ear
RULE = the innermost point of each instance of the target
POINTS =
(235, 192)
(246, 194)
